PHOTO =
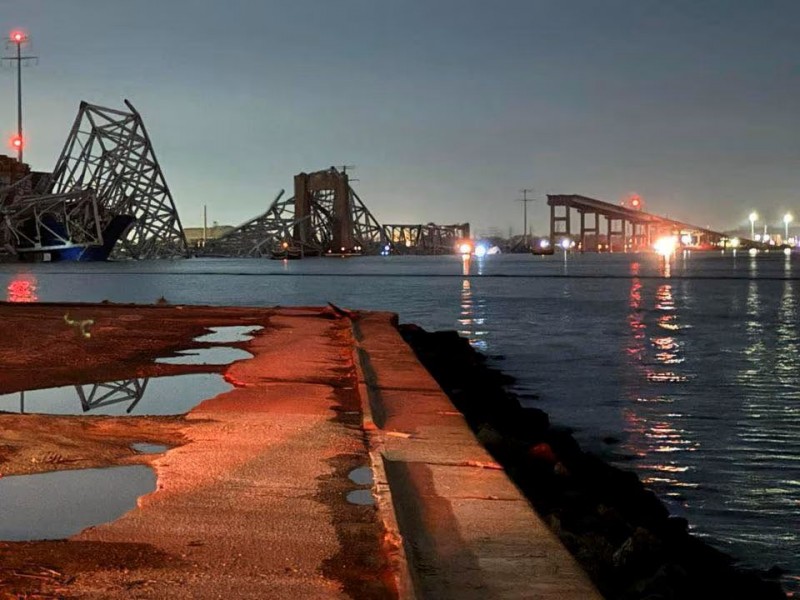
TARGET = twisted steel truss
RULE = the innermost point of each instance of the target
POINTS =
(425, 239)
(108, 151)
(331, 218)
(107, 183)
(259, 236)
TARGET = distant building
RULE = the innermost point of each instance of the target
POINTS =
(196, 239)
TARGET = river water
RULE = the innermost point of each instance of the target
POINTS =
(686, 371)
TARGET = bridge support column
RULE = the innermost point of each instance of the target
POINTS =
(342, 215)
(595, 229)
(302, 209)
(555, 221)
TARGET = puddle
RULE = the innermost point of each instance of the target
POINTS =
(361, 476)
(218, 355)
(228, 335)
(56, 505)
(362, 497)
(144, 396)
(146, 448)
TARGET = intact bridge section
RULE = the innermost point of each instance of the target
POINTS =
(606, 227)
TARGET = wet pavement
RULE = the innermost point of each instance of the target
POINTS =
(263, 490)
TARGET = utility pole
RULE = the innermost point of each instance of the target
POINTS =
(525, 201)
(18, 38)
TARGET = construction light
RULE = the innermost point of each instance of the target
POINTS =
(665, 246)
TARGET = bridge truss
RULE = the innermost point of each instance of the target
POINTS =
(107, 185)
(326, 216)
(425, 239)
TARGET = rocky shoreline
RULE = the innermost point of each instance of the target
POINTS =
(619, 531)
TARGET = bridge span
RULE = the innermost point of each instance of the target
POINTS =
(606, 227)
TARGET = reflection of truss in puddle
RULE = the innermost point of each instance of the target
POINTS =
(105, 394)
(170, 395)
(113, 392)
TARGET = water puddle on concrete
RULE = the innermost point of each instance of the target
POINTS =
(56, 505)
(147, 448)
(228, 335)
(361, 497)
(142, 396)
(361, 476)
(218, 355)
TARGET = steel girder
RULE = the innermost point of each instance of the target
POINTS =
(312, 233)
(109, 152)
(368, 232)
(425, 239)
(259, 236)
(43, 223)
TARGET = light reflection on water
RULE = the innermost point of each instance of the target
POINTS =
(22, 288)
(693, 363)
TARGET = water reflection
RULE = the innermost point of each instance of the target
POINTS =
(57, 505)
(22, 288)
(229, 334)
(656, 427)
(472, 319)
(165, 396)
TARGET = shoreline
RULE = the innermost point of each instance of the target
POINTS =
(620, 532)
(327, 391)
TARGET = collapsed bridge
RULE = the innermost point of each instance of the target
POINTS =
(325, 216)
(106, 196)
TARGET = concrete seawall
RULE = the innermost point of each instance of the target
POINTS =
(467, 530)
(251, 499)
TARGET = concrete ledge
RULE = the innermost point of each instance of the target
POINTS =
(467, 531)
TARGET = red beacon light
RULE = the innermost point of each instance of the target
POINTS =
(17, 37)
(17, 142)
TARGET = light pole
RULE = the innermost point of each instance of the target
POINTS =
(18, 38)
(525, 201)
(753, 218)
(787, 218)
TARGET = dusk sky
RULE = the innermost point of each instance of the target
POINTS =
(446, 107)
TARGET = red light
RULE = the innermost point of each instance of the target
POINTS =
(17, 37)
(635, 202)
(17, 142)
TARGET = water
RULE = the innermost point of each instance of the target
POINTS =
(229, 334)
(361, 497)
(693, 365)
(216, 355)
(147, 448)
(361, 476)
(173, 395)
(56, 505)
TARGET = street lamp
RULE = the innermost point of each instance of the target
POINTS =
(753, 218)
(787, 218)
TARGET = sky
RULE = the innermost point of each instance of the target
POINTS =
(447, 108)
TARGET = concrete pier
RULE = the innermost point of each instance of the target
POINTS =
(251, 500)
